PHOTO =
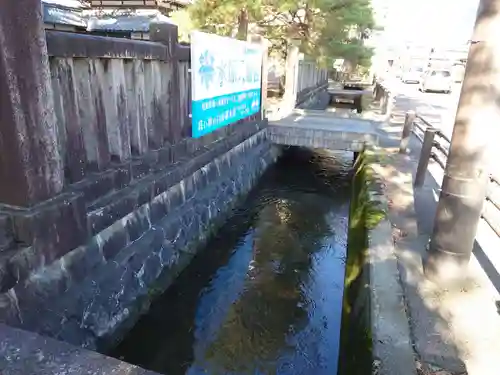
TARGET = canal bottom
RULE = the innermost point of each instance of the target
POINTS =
(264, 296)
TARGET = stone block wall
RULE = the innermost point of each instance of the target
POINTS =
(142, 236)
(104, 193)
(96, 153)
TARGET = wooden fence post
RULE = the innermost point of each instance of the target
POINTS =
(407, 129)
(264, 44)
(425, 155)
(383, 100)
(292, 71)
(168, 35)
(31, 167)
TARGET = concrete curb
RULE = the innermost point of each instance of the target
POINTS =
(27, 353)
(392, 350)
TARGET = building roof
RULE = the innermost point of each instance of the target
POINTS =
(64, 12)
(134, 4)
(76, 4)
(78, 14)
(138, 21)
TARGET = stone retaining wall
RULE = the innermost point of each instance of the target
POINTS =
(146, 221)
(143, 237)
(375, 333)
(390, 331)
(356, 346)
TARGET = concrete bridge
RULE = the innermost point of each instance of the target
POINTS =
(323, 129)
(104, 192)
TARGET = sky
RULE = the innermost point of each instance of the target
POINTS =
(441, 23)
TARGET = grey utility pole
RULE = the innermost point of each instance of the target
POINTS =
(466, 174)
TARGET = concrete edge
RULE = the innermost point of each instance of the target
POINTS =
(392, 349)
(26, 353)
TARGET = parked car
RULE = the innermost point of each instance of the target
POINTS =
(458, 72)
(412, 75)
(438, 80)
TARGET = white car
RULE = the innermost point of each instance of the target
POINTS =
(412, 75)
(437, 80)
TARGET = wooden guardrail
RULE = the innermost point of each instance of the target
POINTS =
(435, 146)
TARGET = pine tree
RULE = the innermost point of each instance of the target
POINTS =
(325, 29)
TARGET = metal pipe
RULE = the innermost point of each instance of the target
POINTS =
(488, 221)
(442, 135)
(441, 163)
(420, 127)
(489, 199)
(427, 123)
(441, 148)
(419, 137)
(494, 180)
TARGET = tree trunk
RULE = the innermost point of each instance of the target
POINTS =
(243, 25)
(466, 175)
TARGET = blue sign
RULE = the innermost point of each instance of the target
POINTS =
(226, 81)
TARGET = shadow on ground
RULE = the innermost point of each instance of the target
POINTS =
(446, 322)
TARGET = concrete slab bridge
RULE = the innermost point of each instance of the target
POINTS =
(323, 129)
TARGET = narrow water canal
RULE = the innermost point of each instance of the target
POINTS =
(265, 295)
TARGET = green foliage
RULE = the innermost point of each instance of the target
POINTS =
(324, 29)
(183, 19)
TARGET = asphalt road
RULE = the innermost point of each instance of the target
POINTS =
(437, 108)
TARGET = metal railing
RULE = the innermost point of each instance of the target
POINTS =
(435, 146)
(491, 208)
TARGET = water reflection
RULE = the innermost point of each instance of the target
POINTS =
(265, 295)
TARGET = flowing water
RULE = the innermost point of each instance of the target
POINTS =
(265, 294)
